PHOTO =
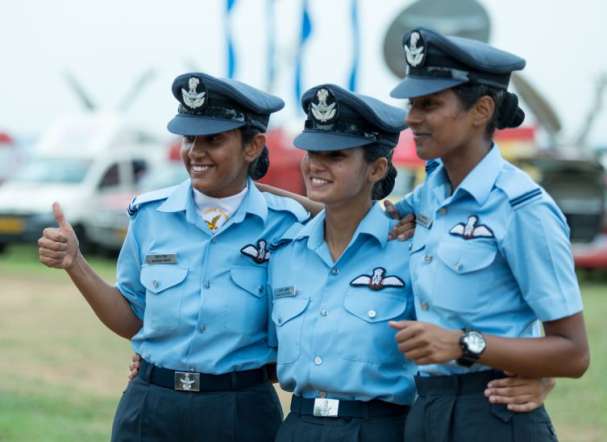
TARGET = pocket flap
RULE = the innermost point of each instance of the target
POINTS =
(374, 306)
(283, 310)
(250, 278)
(466, 258)
(158, 277)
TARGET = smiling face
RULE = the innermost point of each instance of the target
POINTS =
(440, 124)
(217, 164)
(341, 176)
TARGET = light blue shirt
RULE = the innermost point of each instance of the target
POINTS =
(493, 255)
(201, 295)
(331, 318)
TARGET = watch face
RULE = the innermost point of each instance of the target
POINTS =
(475, 342)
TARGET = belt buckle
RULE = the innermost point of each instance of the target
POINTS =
(324, 407)
(185, 381)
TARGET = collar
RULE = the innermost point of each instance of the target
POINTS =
(182, 199)
(374, 224)
(481, 179)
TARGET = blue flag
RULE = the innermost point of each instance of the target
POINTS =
(353, 81)
(304, 35)
(271, 64)
(231, 51)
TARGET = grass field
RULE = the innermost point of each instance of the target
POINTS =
(62, 372)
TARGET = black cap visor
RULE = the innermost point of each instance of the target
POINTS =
(413, 86)
(316, 140)
(196, 125)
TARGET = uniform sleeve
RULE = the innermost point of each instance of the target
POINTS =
(409, 203)
(537, 248)
(128, 269)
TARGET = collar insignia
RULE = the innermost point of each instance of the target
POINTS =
(472, 229)
(377, 280)
(413, 53)
(323, 111)
(259, 253)
(192, 98)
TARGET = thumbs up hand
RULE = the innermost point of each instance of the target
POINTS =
(58, 246)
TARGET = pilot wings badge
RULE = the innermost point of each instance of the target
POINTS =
(259, 253)
(472, 229)
(192, 98)
(323, 111)
(413, 53)
(377, 280)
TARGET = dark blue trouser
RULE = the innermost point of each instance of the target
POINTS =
(454, 409)
(149, 413)
(298, 428)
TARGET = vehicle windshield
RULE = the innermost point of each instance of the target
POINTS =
(53, 171)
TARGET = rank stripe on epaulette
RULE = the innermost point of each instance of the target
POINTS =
(526, 196)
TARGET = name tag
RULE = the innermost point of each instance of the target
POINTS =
(423, 220)
(168, 258)
(285, 292)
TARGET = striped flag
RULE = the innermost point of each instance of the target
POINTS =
(304, 35)
(353, 80)
(231, 51)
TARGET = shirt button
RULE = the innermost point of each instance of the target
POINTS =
(203, 327)
(334, 271)
(156, 284)
(410, 245)
(260, 289)
(372, 314)
(207, 284)
(428, 259)
(323, 312)
(459, 266)
(424, 306)
(318, 360)
(280, 320)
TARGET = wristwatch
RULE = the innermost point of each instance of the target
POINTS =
(473, 345)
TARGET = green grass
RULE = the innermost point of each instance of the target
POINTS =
(62, 372)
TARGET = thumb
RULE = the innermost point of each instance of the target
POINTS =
(59, 216)
(400, 325)
(391, 209)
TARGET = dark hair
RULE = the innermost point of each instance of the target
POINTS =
(383, 187)
(507, 112)
(259, 167)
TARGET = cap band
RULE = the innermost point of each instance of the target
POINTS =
(348, 127)
(499, 81)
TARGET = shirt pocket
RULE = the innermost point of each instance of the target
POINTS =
(464, 280)
(244, 304)
(164, 293)
(250, 279)
(288, 317)
(364, 328)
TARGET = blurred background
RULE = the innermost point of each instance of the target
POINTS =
(84, 102)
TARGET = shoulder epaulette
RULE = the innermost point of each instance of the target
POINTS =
(148, 197)
(431, 165)
(286, 237)
(518, 187)
(281, 203)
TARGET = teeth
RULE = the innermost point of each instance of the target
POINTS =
(200, 168)
(318, 181)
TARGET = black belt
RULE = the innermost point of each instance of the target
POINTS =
(321, 407)
(200, 382)
(455, 385)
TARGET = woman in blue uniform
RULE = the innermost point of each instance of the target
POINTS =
(337, 281)
(490, 257)
(191, 277)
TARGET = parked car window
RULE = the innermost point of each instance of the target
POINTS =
(54, 170)
(111, 177)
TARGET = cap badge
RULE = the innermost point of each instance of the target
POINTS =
(414, 54)
(322, 111)
(192, 98)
